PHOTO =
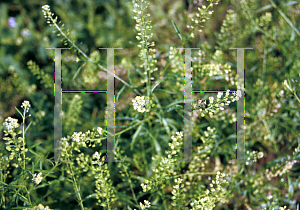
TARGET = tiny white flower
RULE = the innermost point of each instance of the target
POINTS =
(37, 178)
(99, 129)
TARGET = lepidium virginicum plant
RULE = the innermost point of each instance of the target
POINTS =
(26, 181)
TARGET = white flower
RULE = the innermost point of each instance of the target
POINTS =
(100, 130)
(139, 103)
(37, 178)
(76, 136)
(227, 92)
(25, 105)
(239, 93)
(220, 94)
(10, 124)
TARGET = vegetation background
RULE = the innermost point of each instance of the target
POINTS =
(272, 115)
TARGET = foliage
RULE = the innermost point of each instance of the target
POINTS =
(150, 96)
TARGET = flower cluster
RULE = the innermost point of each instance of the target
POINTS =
(164, 166)
(286, 168)
(202, 156)
(274, 204)
(219, 104)
(48, 14)
(142, 103)
(25, 105)
(254, 155)
(213, 195)
(146, 205)
(53, 22)
(11, 124)
(105, 191)
(37, 178)
(143, 26)
(178, 194)
(202, 15)
(41, 207)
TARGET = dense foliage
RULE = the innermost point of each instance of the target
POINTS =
(149, 106)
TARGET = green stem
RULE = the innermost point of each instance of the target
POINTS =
(90, 60)
(285, 18)
(76, 188)
(24, 138)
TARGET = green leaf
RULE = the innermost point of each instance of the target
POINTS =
(291, 188)
(166, 126)
(94, 195)
(167, 91)
(264, 8)
(156, 144)
(31, 151)
(175, 107)
(155, 85)
(137, 70)
(291, 3)
(19, 112)
(119, 93)
(136, 135)
(78, 71)
(177, 31)
(27, 127)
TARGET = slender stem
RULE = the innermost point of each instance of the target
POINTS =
(76, 188)
(285, 18)
(28, 193)
(90, 60)
(24, 138)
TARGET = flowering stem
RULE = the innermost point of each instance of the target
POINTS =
(24, 138)
(76, 188)
(80, 51)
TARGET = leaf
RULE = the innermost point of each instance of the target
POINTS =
(155, 85)
(156, 144)
(175, 107)
(119, 93)
(27, 127)
(166, 126)
(19, 111)
(137, 70)
(291, 188)
(291, 3)
(264, 8)
(293, 36)
(34, 153)
(176, 29)
(78, 71)
(136, 135)
(167, 91)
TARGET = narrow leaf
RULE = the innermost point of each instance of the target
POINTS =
(19, 112)
(136, 135)
(176, 29)
(155, 85)
(119, 93)
(78, 71)
(28, 127)
(291, 3)
(264, 8)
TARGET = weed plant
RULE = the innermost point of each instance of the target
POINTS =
(149, 106)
